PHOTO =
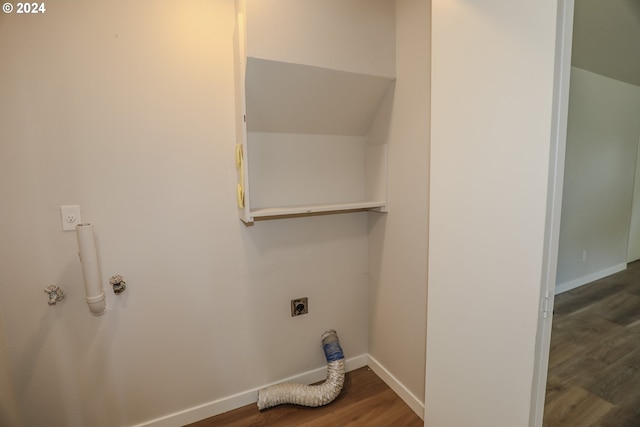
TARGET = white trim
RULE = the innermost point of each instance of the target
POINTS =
(244, 398)
(572, 284)
(403, 392)
(562, 72)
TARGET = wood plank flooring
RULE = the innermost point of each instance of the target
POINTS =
(593, 380)
(594, 363)
(365, 400)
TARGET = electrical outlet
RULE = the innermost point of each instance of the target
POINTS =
(299, 306)
(70, 216)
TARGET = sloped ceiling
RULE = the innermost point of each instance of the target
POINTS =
(606, 38)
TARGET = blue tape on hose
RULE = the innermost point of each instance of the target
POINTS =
(333, 351)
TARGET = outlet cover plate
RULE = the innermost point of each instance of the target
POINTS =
(70, 216)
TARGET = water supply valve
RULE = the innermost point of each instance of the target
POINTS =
(55, 293)
(118, 283)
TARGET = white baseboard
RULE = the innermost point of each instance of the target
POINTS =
(409, 398)
(248, 397)
(572, 284)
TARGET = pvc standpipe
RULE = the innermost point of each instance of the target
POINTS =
(310, 395)
(90, 269)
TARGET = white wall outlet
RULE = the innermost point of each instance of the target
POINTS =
(70, 216)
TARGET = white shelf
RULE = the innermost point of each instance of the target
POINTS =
(311, 136)
(294, 98)
(312, 209)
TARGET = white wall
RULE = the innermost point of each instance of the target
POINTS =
(492, 87)
(127, 110)
(9, 415)
(602, 143)
(366, 45)
(633, 249)
(398, 240)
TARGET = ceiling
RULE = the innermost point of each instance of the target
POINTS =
(606, 38)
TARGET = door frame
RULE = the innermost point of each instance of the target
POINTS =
(564, 35)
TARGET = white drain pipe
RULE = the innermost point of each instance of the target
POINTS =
(310, 395)
(90, 269)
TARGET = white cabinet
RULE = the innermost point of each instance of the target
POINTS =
(312, 135)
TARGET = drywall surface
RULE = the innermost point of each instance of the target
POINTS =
(605, 38)
(398, 240)
(9, 415)
(127, 109)
(602, 143)
(492, 91)
(355, 35)
(633, 250)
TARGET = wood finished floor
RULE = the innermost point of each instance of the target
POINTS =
(594, 363)
(365, 400)
(593, 379)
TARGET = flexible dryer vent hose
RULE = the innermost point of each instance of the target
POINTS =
(310, 395)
